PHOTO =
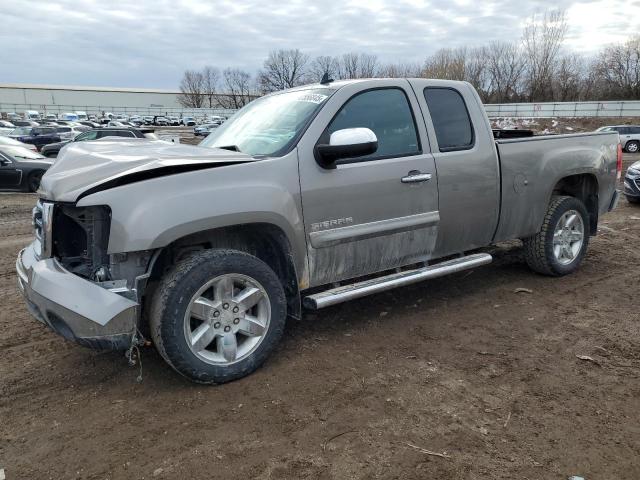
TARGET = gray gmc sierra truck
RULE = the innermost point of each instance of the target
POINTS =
(304, 198)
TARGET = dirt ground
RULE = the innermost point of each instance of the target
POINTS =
(462, 366)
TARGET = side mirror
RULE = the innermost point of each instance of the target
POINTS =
(3, 162)
(346, 143)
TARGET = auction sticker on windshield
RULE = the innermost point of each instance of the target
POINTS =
(313, 98)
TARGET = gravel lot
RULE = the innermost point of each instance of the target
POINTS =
(462, 366)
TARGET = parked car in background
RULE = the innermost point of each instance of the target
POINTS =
(53, 149)
(160, 121)
(632, 183)
(148, 120)
(135, 119)
(173, 121)
(69, 117)
(204, 129)
(16, 143)
(33, 115)
(629, 136)
(69, 133)
(25, 123)
(50, 117)
(188, 121)
(120, 117)
(21, 169)
(11, 116)
(6, 127)
(82, 115)
(89, 123)
(38, 136)
(218, 120)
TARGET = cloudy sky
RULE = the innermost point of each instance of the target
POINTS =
(149, 43)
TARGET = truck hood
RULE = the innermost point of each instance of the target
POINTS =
(84, 166)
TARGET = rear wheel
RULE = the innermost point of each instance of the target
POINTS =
(561, 244)
(633, 147)
(33, 180)
(218, 315)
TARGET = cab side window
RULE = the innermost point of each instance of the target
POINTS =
(450, 118)
(385, 111)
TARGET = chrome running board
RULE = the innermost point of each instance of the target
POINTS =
(380, 284)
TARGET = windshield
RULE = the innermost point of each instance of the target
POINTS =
(22, 131)
(268, 126)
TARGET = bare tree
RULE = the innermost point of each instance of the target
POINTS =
(446, 63)
(618, 67)
(192, 89)
(505, 67)
(211, 78)
(400, 70)
(464, 63)
(542, 40)
(358, 65)
(283, 69)
(237, 88)
(324, 64)
(569, 78)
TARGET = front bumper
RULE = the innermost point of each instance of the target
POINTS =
(73, 307)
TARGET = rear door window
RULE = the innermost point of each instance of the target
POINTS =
(450, 117)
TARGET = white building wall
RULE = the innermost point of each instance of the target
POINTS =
(59, 99)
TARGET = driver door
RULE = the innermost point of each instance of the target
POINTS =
(9, 175)
(371, 213)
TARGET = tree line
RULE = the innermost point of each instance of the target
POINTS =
(536, 68)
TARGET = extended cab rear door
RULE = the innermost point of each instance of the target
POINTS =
(467, 163)
(376, 212)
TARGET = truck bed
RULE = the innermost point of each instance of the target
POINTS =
(531, 167)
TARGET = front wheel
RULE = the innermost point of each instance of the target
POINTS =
(561, 244)
(33, 181)
(218, 315)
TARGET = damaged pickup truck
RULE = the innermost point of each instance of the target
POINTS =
(306, 197)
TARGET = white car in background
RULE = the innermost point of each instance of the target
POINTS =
(70, 132)
(629, 136)
(32, 115)
(188, 121)
(15, 143)
(6, 127)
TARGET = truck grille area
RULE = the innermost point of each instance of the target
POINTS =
(80, 238)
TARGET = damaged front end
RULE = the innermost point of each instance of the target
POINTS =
(73, 285)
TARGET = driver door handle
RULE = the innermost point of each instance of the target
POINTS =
(415, 176)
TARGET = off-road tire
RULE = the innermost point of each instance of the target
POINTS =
(172, 297)
(538, 249)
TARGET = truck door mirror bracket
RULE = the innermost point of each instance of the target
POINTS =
(346, 143)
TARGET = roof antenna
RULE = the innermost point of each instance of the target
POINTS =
(325, 79)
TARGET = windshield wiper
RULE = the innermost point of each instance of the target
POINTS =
(233, 148)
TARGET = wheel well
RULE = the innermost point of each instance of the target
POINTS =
(263, 240)
(585, 188)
